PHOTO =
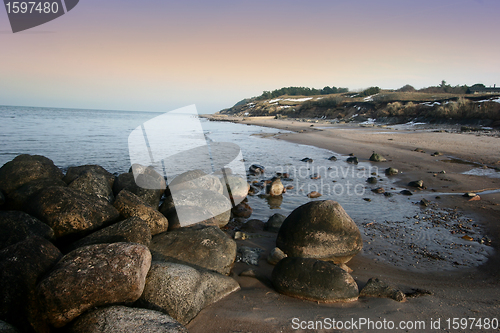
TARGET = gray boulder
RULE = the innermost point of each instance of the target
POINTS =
(92, 276)
(18, 199)
(182, 291)
(25, 168)
(21, 266)
(131, 230)
(314, 280)
(130, 205)
(391, 171)
(253, 225)
(320, 230)
(203, 246)
(378, 288)
(242, 210)
(120, 318)
(94, 183)
(196, 179)
(193, 215)
(17, 226)
(237, 186)
(274, 223)
(149, 186)
(417, 183)
(275, 256)
(78, 171)
(70, 212)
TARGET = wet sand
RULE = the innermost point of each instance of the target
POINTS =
(460, 293)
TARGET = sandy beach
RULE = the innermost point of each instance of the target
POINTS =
(441, 295)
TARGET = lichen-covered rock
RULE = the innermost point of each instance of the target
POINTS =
(91, 276)
(378, 288)
(25, 168)
(320, 230)
(70, 212)
(21, 266)
(314, 280)
(17, 226)
(78, 171)
(203, 246)
(182, 291)
(149, 186)
(94, 183)
(123, 319)
(131, 230)
(130, 205)
(18, 199)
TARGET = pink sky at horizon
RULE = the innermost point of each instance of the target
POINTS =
(160, 55)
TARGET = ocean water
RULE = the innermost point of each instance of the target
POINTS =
(395, 229)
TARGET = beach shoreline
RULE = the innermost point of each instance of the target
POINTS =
(467, 292)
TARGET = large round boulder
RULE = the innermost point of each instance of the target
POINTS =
(19, 198)
(148, 186)
(17, 226)
(196, 179)
(320, 230)
(314, 280)
(94, 183)
(78, 171)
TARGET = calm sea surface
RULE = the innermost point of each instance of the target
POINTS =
(72, 137)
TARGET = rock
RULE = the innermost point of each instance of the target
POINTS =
(70, 212)
(377, 158)
(332, 158)
(253, 190)
(196, 179)
(275, 256)
(253, 225)
(372, 180)
(91, 276)
(18, 199)
(193, 215)
(417, 183)
(25, 168)
(307, 160)
(238, 188)
(437, 153)
(469, 195)
(388, 194)
(315, 176)
(17, 226)
(2, 199)
(21, 266)
(345, 268)
(314, 280)
(424, 202)
(130, 205)
(406, 192)
(78, 171)
(367, 199)
(120, 318)
(144, 188)
(249, 255)
(391, 171)
(378, 190)
(275, 188)
(131, 230)
(314, 194)
(467, 238)
(256, 169)
(203, 246)
(378, 288)
(320, 230)
(419, 150)
(7, 328)
(249, 273)
(274, 223)
(242, 210)
(94, 183)
(218, 205)
(182, 291)
(475, 198)
(353, 160)
(240, 235)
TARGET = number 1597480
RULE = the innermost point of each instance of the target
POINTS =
(32, 7)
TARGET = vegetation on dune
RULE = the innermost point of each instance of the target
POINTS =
(301, 91)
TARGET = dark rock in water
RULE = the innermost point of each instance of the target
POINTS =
(378, 288)
(71, 212)
(372, 180)
(196, 179)
(333, 158)
(203, 246)
(314, 195)
(256, 169)
(76, 172)
(193, 215)
(120, 318)
(18, 198)
(437, 153)
(275, 256)
(92, 276)
(131, 230)
(315, 176)
(424, 202)
(17, 226)
(320, 230)
(377, 158)
(391, 171)
(21, 266)
(242, 210)
(352, 159)
(307, 160)
(417, 184)
(253, 190)
(378, 190)
(183, 291)
(274, 223)
(275, 188)
(94, 183)
(25, 168)
(406, 192)
(253, 225)
(236, 188)
(148, 188)
(130, 205)
(7, 328)
(249, 255)
(218, 205)
(388, 194)
(314, 280)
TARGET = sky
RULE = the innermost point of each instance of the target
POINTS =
(160, 55)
